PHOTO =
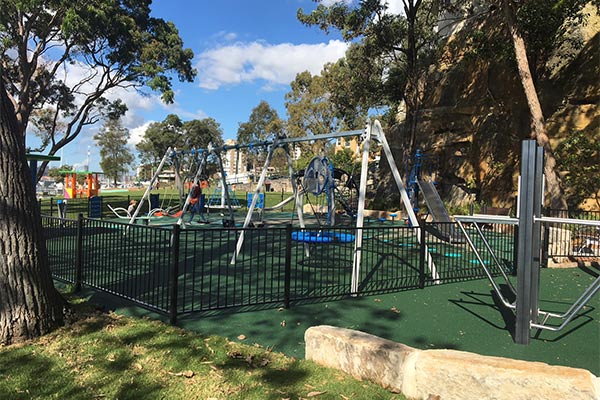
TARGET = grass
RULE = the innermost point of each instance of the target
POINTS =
(115, 357)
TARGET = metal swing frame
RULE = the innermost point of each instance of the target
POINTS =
(373, 131)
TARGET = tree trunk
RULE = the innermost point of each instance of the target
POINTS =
(555, 194)
(30, 306)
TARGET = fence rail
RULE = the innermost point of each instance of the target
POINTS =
(178, 271)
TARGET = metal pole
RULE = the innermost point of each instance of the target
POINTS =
(225, 191)
(288, 266)
(536, 227)
(525, 250)
(360, 214)
(174, 286)
(259, 185)
(149, 188)
(404, 196)
(79, 254)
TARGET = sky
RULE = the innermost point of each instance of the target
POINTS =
(245, 52)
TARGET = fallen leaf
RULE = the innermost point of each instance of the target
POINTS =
(241, 337)
(138, 366)
(283, 323)
(394, 309)
(377, 300)
(315, 394)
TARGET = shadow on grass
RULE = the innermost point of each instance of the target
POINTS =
(26, 375)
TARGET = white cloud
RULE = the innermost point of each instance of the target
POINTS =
(328, 3)
(137, 133)
(394, 6)
(274, 64)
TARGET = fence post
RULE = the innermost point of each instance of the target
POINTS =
(422, 253)
(173, 289)
(288, 266)
(79, 254)
(51, 206)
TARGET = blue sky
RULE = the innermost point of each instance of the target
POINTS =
(245, 52)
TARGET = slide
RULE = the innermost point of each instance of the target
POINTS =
(439, 213)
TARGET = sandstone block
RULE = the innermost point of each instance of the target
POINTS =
(444, 374)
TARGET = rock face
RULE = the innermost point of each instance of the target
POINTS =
(444, 374)
(474, 114)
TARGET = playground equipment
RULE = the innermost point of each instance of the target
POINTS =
(318, 180)
(218, 199)
(530, 222)
(90, 187)
(419, 184)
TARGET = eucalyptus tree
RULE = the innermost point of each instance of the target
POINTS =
(520, 18)
(62, 59)
(115, 44)
(310, 111)
(393, 48)
(262, 124)
(115, 155)
(175, 133)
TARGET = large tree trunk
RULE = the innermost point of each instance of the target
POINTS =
(555, 194)
(30, 306)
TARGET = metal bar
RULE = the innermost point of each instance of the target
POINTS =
(288, 265)
(536, 227)
(151, 185)
(493, 254)
(79, 254)
(362, 192)
(582, 301)
(174, 273)
(404, 196)
(485, 269)
(259, 185)
(282, 141)
(568, 221)
(225, 190)
(487, 219)
(524, 252)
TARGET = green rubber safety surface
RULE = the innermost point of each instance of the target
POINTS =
(462, 316)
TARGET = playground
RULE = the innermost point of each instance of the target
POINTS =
(471, 283)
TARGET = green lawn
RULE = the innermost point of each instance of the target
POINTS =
(115, 357)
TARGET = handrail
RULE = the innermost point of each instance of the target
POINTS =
(568, 315)
(485, 269)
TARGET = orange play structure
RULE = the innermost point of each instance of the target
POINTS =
(90, 187)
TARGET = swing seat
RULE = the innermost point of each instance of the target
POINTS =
(322, 237)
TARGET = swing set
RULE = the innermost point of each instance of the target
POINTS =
(318, 179)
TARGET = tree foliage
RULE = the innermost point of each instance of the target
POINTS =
(579, 156)
(175, 133)
(115, 156)
(389, 53)
(310, 111)
(66, 56)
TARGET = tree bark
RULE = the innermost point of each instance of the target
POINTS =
(30, 306)
(555, 193)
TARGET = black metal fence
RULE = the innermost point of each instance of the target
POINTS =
(178, 271)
